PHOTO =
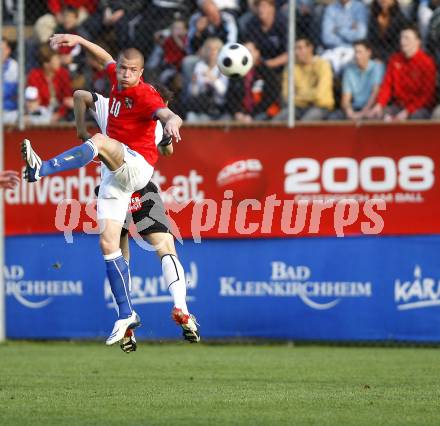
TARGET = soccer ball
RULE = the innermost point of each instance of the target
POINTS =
(234, 60)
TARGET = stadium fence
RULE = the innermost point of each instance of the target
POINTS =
(180, 40)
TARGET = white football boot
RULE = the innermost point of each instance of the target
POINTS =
(188, 324)
(121, 326)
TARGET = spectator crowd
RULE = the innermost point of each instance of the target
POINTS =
(354, 59)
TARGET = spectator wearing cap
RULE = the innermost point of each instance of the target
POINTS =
(408, 89)
(313, 84)
(268, 31)
(53, 83)
(36, 114)
(360, 84)
(10, 84)
(344, 22)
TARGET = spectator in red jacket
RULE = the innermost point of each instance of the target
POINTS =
(408, 89)
(168, 54)
(53, 83)
(174, 45)
(85, 7)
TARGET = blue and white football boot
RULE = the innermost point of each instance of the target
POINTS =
(121, 326)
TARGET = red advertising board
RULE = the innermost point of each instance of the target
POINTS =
(262, 182)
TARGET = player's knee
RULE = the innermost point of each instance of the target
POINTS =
(169, 246)
(108, 245)
(99, 140)
(165, 245)
(80, 94)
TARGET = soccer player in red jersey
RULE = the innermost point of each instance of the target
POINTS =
(147, 212)
(128, 154)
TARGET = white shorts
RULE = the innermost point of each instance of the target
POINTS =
(117, 186)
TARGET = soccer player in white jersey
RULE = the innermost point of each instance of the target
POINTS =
(157, 229)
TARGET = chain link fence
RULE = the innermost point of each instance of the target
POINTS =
(354, 60)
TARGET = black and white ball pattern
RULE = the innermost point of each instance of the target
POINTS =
(234, 60)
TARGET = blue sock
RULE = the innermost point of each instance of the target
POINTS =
(119, 276)
(72, 159)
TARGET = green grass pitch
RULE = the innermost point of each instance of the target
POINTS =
(182, 384)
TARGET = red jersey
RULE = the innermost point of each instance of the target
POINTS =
(131, 115)
(410, 82)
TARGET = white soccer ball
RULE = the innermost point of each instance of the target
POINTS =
(234, 60)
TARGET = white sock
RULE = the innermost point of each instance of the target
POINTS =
(175, 278)
(113, 256)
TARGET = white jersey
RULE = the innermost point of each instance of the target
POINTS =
(101, 116)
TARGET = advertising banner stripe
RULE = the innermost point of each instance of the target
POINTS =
(256, 182)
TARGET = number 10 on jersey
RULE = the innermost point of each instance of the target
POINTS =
(116, 106)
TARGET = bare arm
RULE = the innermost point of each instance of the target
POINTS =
(346, 103)
(82, 100)
(372, 99)
(278, 61)
(172, 123)
(70, 40)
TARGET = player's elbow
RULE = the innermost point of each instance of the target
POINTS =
(165, 115)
